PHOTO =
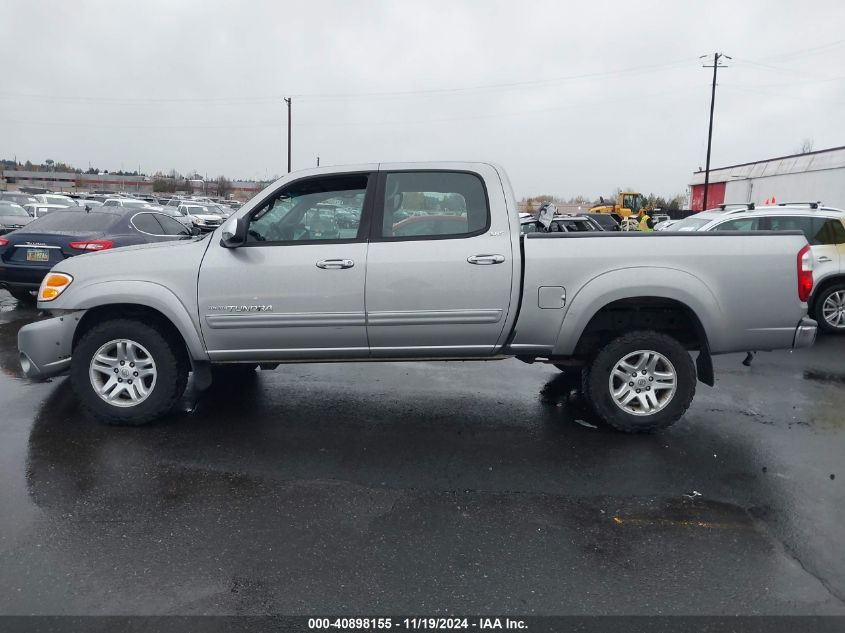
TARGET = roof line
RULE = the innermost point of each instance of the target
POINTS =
(769, 160)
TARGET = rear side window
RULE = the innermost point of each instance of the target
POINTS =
(420, 205)
(828, 231)
(741, 224)
(795, 223)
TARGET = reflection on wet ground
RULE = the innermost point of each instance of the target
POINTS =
(427, 487)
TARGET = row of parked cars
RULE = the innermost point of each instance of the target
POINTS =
(37, 231)
(822, 226)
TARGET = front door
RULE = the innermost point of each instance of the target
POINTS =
(439, 269)
(295, 289)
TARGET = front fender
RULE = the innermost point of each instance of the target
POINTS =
(629, 283)
(144, 293)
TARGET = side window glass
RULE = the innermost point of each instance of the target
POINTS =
(742, 224)
(838, 230)
(312, 210)
(794, 223)
(418, 205)
(146, 223)
(171, 226)
(529, 227)
(828, 231)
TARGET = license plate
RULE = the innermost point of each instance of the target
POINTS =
(37, 255)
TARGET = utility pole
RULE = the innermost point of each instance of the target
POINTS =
(715, 67)
(318, 161)
(288, 101)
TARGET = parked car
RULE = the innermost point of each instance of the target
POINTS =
(55, 198)
(206, 218)
(665, 224)
(130, 203)
(824, 228)
(560, 224)
(27, 254)
(18, 197)
(607, 221)
(40, 209)
(12, 217)
(266, 288)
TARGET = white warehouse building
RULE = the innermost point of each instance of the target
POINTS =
(812, 176)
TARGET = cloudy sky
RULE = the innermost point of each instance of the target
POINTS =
(571, 98)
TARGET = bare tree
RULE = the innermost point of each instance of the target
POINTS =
(224, 186)
(806, 146)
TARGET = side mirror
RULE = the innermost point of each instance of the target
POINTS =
(234, 232)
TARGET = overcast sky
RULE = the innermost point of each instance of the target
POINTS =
(571, 98)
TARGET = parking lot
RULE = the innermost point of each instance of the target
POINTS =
(426, 487)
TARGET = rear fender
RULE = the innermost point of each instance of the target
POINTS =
(629, 283)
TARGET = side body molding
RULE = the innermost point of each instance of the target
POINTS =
(666, 283)
(145, 293)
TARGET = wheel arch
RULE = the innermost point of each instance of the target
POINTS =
(824, 284)
(670, 301)
(143, 300)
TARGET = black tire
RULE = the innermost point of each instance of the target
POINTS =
(596, 387)
(170, 362)
(23, 296)
(818, 309)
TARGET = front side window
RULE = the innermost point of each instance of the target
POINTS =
(146, 223)
(171, 226)
(316, 209)
(419, 205)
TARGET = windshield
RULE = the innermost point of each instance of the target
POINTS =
(212, 209)
(689, 224)
(135, 203)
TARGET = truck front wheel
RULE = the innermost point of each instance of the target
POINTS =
(641, 382)
(126, 372)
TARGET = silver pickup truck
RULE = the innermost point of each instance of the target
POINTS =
(416, 261)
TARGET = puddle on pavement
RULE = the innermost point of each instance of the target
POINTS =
(824, 376)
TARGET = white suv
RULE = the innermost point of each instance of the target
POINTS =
(824, 228)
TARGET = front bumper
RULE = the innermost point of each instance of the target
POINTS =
(805, 333)
(45, 346)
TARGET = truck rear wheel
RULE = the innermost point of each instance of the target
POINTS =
(641, 382)
(126, 372)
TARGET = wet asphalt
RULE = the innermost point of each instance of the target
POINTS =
(426, 488)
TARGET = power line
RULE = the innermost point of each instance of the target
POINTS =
(337, 96)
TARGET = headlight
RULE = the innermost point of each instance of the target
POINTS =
(199, 221)
(53, 285)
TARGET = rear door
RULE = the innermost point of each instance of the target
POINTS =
(439, 266)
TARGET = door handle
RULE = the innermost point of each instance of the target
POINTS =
(485, 260)
(824, 258)
(333, 264)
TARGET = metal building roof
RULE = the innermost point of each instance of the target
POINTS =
(833, 158)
